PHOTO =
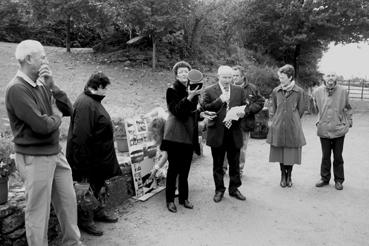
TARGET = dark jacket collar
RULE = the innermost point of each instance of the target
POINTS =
(245, 83)
(98, 98)
(179, 86)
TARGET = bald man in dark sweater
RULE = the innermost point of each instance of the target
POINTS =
(35, 107)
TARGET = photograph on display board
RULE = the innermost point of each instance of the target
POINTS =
(141, 126)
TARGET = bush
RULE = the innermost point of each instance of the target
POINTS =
(54, 34)
(264, 77)
(7, 163)
(17, 24)
(13, 26)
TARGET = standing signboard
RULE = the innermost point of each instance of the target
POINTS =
(142, 151)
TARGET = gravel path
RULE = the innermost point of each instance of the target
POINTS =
(301, 215)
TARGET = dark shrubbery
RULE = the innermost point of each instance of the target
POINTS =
(54, 34)
(264, 77)
(17, 25)
(14, 26)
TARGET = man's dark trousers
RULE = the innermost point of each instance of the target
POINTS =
(233, 156)
(335, 145)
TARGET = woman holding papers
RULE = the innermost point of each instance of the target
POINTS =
(285, 136)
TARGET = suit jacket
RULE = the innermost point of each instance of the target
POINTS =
(211, 101)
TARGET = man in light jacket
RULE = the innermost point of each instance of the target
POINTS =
(331, 101)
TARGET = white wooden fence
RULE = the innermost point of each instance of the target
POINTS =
(357, 90)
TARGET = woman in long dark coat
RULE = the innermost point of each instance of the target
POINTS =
(285, 135)
(90, 147)
(180, 135)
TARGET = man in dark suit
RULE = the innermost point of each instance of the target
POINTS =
(224, 137)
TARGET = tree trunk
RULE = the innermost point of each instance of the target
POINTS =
(296, 64)
(153, 54)
(196, 35)
(68, 27)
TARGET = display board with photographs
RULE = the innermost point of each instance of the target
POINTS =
(142, 151)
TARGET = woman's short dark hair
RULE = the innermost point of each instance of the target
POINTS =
(179, 65)
(288, 70)
(98, 79)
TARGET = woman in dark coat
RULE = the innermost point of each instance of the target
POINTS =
(180, 135)
(285, 135)
(90, 147)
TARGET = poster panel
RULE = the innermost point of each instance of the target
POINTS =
(142, 151)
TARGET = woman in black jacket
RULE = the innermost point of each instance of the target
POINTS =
(180, 135)
(90, 147)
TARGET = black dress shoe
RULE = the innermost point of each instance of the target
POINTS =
(90, 229)
(338, 185)
(218, 196)
(237, 194)
(321, 183)
(187, 204)
(172, 207)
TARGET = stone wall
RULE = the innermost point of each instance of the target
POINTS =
(12, 230)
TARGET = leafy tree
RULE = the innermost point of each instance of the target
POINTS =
(155, 19)
(69, 11)
(73, 13)
(14, 18)
(195, 22)
(298, 31)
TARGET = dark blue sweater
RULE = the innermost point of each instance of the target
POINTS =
(35, 128)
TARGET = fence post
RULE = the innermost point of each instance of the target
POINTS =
(362, 90)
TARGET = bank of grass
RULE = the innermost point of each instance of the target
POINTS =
(132, 91)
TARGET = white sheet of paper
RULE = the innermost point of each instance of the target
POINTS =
(232, 113)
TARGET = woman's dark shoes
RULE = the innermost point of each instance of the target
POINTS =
(283, 182)
(186, 204)
(289, 180)
(172, 207)
(338, 186)
(218, 196)
(237, 194)
(321, 183)
(91, 229)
